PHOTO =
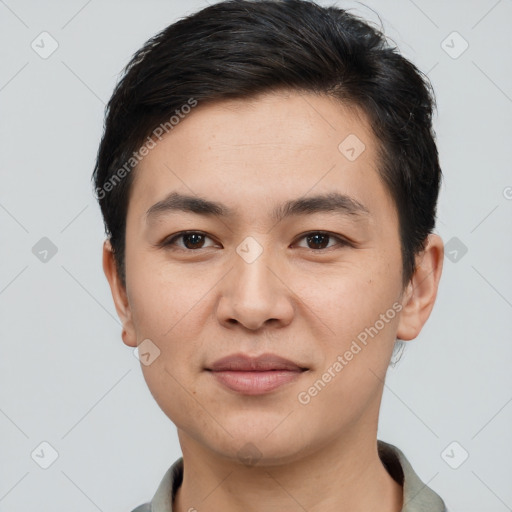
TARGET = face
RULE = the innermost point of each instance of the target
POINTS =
(299, 257)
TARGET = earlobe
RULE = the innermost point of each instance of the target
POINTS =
(119, 295)
(420, 295)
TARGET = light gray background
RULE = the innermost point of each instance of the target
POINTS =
(66, 376)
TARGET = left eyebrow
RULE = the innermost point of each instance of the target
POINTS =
(332, 202)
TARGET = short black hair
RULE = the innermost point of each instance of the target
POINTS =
(238, 49)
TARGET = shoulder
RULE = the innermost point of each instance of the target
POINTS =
(146, 507)
(417, 496)
(164, 496)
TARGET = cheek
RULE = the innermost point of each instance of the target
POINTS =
(176, 396)
(357, 308)
(349, 300)
(355, 354)
(172, 316)
(162, 297)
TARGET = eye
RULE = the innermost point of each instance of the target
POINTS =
(192, 240)
(195, 240)
(321, 240)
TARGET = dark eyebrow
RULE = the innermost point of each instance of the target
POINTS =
(332, 202)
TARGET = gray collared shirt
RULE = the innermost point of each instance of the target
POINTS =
(417, 496)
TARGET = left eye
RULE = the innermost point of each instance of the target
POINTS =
(321, 240)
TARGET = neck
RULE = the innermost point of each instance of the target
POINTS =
(344, 475)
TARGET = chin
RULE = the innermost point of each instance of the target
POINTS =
(254, 453)
(257, 447)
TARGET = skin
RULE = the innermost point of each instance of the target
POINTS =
(296, 300)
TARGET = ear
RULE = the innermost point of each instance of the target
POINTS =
(420, 295)
(119, 295)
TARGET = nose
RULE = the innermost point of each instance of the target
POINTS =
(255, 294)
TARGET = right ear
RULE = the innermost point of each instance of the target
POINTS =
(119, 295)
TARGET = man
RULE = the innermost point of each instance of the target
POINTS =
(268, 178)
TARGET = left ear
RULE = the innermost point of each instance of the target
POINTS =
(419, 298)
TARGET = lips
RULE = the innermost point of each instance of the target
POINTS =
(255, 375)
(262, 363)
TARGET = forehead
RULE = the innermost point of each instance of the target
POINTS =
(264, 151)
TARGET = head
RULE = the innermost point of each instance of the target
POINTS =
(303, 143)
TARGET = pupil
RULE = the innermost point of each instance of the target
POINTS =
(194, 239)
(320, 239)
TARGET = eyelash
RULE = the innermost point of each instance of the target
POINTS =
(170, 242)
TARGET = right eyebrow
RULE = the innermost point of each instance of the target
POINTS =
(192, 204)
